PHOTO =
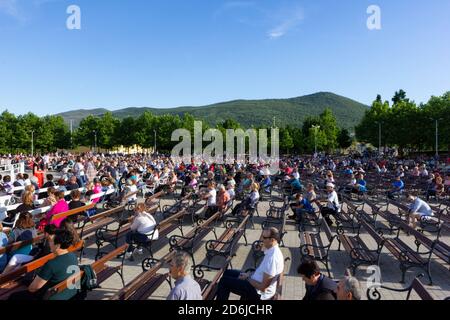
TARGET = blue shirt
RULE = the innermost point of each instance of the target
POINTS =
(398, 184)
(421, 207)
(306, 205)
(362, 185)
(185, 288)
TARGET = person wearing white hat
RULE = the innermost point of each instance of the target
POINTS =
(333, 207)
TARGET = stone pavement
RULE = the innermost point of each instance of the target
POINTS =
(294, 286)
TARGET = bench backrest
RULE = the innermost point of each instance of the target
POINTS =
(97, 266)
(127, 291)
(418, 287)
(40, 211)
(20, 244)
(327, 230)
(107, 213)
(372, 232)
(96, 196)
(33, 265)
(420, 237)
(72, 212)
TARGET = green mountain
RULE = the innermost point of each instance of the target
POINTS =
(249, 113)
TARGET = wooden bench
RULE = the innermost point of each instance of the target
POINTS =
(357, 249)
(227, 242)
(11, 282)
(101, 269)
(108, 234)
(434, 224)
(91, 224)
(20, 244)
(169, 210)
(361, 212)
(165, 227)
(393, 220)
(374, 294)
(312, 246)
(144, 285)
(257, 246)
(346, 220)
(72, 213)
(209, 288)
(410, 258)
(190, 242)
(155, 199)
(111, 235)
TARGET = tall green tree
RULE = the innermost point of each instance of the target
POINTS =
(344, 140)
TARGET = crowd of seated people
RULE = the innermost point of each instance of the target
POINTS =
(217, 185)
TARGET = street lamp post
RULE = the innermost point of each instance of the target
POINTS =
(154, 151)
(379, 136)
(437, 136)
(95, 141)
(315, 138)
(32, 142)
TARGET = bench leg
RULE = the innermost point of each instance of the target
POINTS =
(192, 257)
(429, 273)
(149, 249)
(327, 266)
(81, 254)
(403, 270)
(121, 277)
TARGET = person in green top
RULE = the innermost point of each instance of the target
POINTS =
(54, 271)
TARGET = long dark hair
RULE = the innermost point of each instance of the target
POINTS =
(25, 221)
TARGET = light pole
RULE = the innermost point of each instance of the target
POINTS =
(437, 136)
(154, 151)
(379, 136)
(95, 140)
(32, 142)
(315, 138)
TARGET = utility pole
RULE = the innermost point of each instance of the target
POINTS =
(379, 137)
(71, 133)
(95, 141)
(32, 142)
(154, 151)
(437, 139)
(316, 127)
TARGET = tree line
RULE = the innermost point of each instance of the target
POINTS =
(403, 124)
(406, 125)
(51, 133)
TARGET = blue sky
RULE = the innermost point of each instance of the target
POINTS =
(169, 53)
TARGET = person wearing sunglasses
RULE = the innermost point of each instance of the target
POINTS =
(262, 284)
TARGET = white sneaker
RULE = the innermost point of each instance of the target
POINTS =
(128, 255)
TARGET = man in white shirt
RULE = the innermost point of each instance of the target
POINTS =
(262, 284)
(418, 210)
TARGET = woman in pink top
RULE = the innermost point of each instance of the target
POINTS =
(60, 207)
(97, 189)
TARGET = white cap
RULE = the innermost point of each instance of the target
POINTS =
(330, 185)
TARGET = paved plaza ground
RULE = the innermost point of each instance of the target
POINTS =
(294, 287)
